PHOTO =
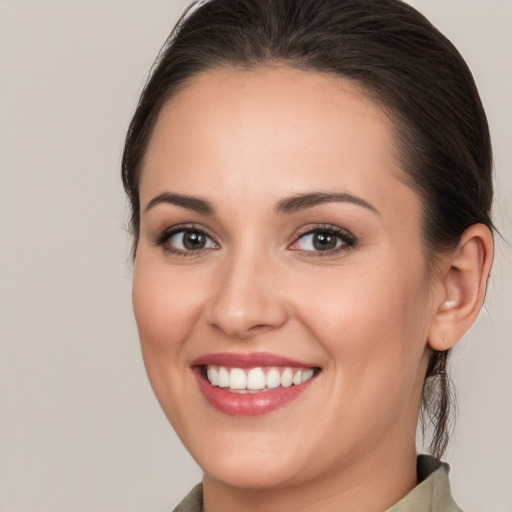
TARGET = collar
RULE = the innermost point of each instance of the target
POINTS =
(432, 494)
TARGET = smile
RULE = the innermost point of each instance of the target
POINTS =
(251, 384)
(254, 380)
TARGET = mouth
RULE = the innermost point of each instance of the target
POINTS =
(256, 380)
(251, 384)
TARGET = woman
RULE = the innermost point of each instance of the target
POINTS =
(310, 183)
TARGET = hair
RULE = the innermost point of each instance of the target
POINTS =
(400, 60)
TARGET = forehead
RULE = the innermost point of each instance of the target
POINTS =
(272, 131)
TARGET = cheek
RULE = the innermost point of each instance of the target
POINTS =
(373, 330)
(369, 315)
(166, 307)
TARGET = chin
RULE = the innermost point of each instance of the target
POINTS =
(247, 460)
(246, 472)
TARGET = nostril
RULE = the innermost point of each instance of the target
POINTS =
(261, 327)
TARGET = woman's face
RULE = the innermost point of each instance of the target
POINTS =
(280, 247)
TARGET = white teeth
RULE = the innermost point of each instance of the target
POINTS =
(287, 378)
(255, 379)
(237, 379)
(306, 375)
(223, 378)
(273, 378)
(213, 376)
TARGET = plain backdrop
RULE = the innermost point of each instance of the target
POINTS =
(80, 429)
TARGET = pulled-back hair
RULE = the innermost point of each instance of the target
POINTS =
(399, 59)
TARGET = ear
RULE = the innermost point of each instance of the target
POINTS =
(464, 279)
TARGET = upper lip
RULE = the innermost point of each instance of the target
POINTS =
(252, 360)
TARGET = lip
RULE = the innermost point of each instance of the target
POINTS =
(234, 360)
(248, 404)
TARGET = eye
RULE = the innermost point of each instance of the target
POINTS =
(185, 240)
(323, 239)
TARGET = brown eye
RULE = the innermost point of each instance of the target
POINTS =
(324, 241)
(194, 240)
(187, 240)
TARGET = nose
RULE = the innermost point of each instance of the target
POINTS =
(247, 299)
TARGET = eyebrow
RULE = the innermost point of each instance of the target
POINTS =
(302, 202)
(189, 202)
(286, 206)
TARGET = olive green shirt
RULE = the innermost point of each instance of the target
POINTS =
(432, 494)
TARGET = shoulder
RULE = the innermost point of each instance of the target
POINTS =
(193, 502)
(433, 493)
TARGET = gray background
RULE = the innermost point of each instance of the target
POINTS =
(79, 427)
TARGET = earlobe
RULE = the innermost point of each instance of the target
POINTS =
(463, 287)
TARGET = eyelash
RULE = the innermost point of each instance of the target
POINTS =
(348, 241)
(163, 238)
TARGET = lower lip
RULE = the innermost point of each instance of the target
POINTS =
(248, 404)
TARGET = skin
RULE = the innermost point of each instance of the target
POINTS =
(244, 141)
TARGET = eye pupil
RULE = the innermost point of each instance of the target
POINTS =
(324, 241)
(193, 240)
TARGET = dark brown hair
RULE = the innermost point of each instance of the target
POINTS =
(399, 59)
